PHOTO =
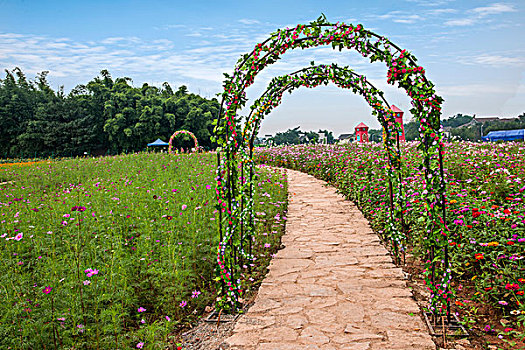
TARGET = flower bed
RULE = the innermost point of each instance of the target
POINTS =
(116, 252)
(485, 209)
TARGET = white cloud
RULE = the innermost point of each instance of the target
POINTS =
(442, 11)
(408, 19)
(493, 9)
(461, 22)
(497, 60)
(474, 90)
(478, 14)
(170, 26)
(248, 21)
(494, 60)
(121, 55)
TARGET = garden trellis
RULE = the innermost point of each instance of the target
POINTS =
(233, 183)
(345, 78)
(183, 132)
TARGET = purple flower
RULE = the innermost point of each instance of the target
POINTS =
(90, 272)
(47, 290)
(141, 309)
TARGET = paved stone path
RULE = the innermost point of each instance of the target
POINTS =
(333, 286)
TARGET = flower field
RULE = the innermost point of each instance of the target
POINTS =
(116, 252)
(485, 212)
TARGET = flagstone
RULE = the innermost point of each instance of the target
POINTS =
(333, 286)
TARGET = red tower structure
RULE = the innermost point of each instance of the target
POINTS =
(361, 133)
(398, 114)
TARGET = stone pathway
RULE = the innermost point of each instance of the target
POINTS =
(333, 286)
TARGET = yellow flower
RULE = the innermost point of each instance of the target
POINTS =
(453, 201)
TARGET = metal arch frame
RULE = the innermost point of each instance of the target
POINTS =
(411, 78)
(323, 74)
(185, 132)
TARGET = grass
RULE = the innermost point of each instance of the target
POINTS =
(115, 252)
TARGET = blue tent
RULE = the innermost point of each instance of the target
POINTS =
(158, 142)
(505, 135)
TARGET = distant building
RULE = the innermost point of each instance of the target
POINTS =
(345, 138)
(399, 118)
(361, 133)
(322, 137)
(482, 120)
(487, 119)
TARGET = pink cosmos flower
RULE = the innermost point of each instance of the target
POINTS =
(19, 236)
(183, 303)
(140, 345)
(47, 290)
(141, 309)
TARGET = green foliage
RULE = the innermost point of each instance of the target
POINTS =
(510, 124)
(105, 115)
(145, 222)
(456, 120)
(296, 136)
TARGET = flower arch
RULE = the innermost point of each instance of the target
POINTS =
(345, 78)
(183, 132)
(403, 70)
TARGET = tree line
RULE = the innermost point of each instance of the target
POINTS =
(461, 128)
(296, 136)
(104, 116)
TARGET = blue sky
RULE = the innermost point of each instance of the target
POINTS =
(474, 51)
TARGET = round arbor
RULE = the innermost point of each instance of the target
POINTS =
(183, 132)
(345, 78)
(235, 221)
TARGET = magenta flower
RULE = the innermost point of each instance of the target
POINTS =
(90, 272)
(140, 345)
(141, 309)
(19, 236)
(195, 294)
(183, 303)
(184, 206)
(168, 319)
(47, 290)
